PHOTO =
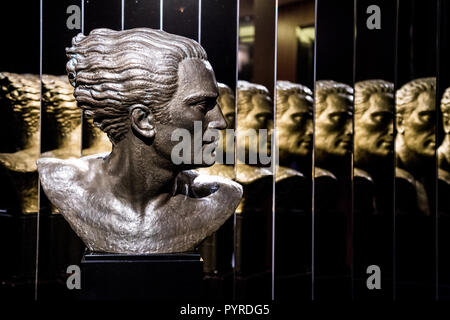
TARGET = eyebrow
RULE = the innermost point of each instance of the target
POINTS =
(193, 98)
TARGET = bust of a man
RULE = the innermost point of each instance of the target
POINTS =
(416, 139)
(294, 123)
(374, 145)
(20, 104)
(334, 120)
(223, 167)
(63, 116)
(139, 86)
(444, 148)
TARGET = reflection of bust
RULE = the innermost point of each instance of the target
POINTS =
(333, 131)
(374, 145)
(255, 112)
(374, 122)
(444, 148)
(64, 116)
(416, 140)
(143, 85)
(294, 122)
(20, 104)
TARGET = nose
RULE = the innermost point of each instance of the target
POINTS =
(349, 127)
(391, 128)
(215, 118)
(309, 128)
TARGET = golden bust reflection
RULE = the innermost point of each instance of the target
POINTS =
(294, 121)
(20, 102)
(444, 149)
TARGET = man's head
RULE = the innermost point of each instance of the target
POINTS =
(145, 83)
(374, 118)
(294, 119)
(255, 111)
(226, 102)
(445, 109)
(416, 114)
(334, 113)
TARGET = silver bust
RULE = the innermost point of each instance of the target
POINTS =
(140, 85)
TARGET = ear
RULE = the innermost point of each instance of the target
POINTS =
(400, 123)
(446, 122)
(142, 121)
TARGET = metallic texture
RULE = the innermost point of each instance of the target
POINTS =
(416, 144)
(20, 107)
(141, 86)
(63, 117)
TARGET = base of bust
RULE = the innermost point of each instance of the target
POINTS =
(174, 276)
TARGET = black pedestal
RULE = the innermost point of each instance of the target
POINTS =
(176, 276)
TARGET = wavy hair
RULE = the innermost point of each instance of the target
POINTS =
(326, 87)
(60, 103)
(409, 92)
(112, 71)
(365, 89)
(21, 94)
(445, 101)
(246, 90)
(285, 89)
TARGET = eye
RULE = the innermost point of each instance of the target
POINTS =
(263, 118)
(230, 118)
(426, 117)
(200, 106)
(337, 118)
(297, 118)
(382, 117)
(300, 118)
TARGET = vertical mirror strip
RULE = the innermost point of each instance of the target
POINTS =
(333, 139)
(255, 114)
(217, 35)
(415, 148)
(373, 172)
(294, 127)
(19, 148)
(59, 246)
(443, 151)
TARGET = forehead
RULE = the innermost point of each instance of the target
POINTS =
(381, 102)
(261, 102)
(338, 103)
(426, 101)
(196, 77)
(298, 103)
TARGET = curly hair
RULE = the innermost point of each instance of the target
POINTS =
(112, 71)
(60, 103)
(445, 101)
(365, 89)
(285, 89)
(408, 93)
(246, 90)
(326, 87)
(21, 93)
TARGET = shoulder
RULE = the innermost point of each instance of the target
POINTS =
(404, 175)
(198, 185)
(62, 177)
(323, 173)
(287, 173)
(361, 174)
(246, 174)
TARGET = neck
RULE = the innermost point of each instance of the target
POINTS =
(446, 139)
(409, 160)
(138, 172)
